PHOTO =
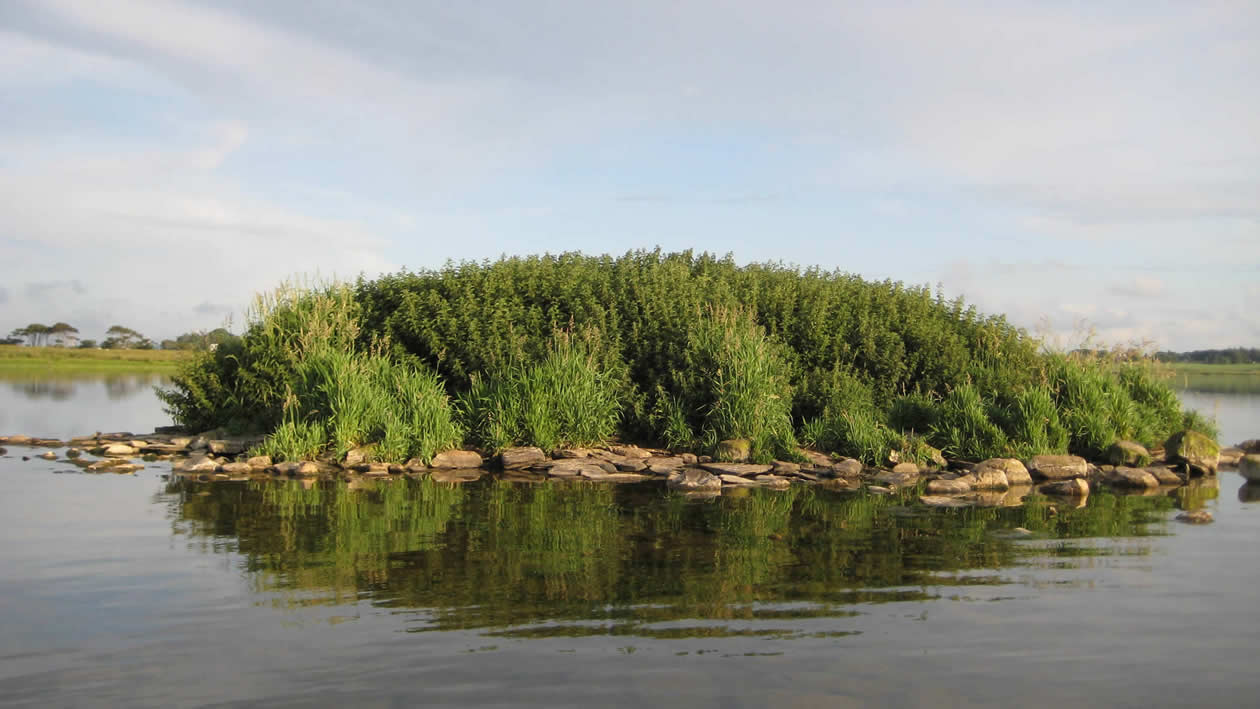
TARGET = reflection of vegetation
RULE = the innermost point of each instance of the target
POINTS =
(63, 388)
(576, 558)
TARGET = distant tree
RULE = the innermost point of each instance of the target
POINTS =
(124, 338)
(87, 344)
(11, 341)
(35, 334)
(199, 340)
(65, 333)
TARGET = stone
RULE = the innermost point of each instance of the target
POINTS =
(630, 465)
(1196, 517)
(71, 453)
(1198, 453)
(237, 468)
(307, 469)
(906, 468)
(18, 440)
(457, 459)
(202, 465)
(1251, 445)
(1129, 454)
(898, 479)
(630, 452)
(847, 468)
(521, 457)
(259, 461)
(119, 449)
(741, 469)
(694, 480)
(1014, 470)
(879, 490)
(943, 501)
(948, 487)
(288, 467)
(359, 456)
(984, 477)
(232, 446)
(48, 456)
(571, 468)
(199, 443)
(1057, 467)
(663, 465)
(561, 453)
(1070, 487)
(689, 458)
(1123, 476)
(734, 450)
(1249, 467)
(774, 482)
(736, 480)
(1164, 475)
(819, 461)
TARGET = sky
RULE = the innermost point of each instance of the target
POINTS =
(1084, 168)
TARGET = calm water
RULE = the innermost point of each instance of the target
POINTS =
(138, 591)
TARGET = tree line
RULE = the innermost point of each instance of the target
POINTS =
(117, 337)
(1231, 355)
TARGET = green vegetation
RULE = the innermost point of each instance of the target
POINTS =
(1217, 378)
(62, 360)
(680, 349)
(1230, 356)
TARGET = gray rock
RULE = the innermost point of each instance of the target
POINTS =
(663, 465)
(1123, 476)
(734, 450)
(694, 480)
(898, 479)
(1129, 454)
(236, 468)
(259, 461)
(847, 468)
(1014, 470)
(1230, 456)
(630, 465)
(201, 465)
(742, 469)
(560, 453)
(774, 482)
(456, 459)
(1164, 475)
(948, 487)
(1198, 453)
(630, 452)
(119, 449)
(522, 457)
(1057, 467)
(986, 477)
(1071, 487)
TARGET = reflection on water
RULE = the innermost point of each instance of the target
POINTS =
(117, 386)
(568, 560)
(62, 406)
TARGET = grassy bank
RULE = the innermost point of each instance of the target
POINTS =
(1216, 378)
(681, 349)
(63, 360)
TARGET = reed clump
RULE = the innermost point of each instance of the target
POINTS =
(678, 349)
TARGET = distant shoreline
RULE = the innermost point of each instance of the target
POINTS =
(19, 358)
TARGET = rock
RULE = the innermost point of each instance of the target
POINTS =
(119, 449)
(18, 440)
(937, 459)
(800, 474)
(259, 461)
(1164, 475)
(1014, 470)
(734, 450)
(237, 468)
(847, 468)
(48, 456)
(1251, 445)
(199, 443)
(562, 453)
(1231, 456)
(694, 480)
(457, 459)
(1057, 467)
(307, 469)
(232, 446)
(599, 475)
(942, 501)
(4, 451)
(359, 456)
(522, 457)
(1128, 454)
(572, 468)
(630, 452)
(899, 479)
(71, 453)
(736, 480)
(1249, 467)
(689, 458)
(288, 467)
(1123, 476)
(630, 465)
(986, 477)
(1249, 492)
(201, 465)
(948, 487)
(878, 490)
(1198, 453)
(819, 461)
(741, 469)
(906, 468)
(663, 465)
(774, 482)
(1071, 487)
(1196, 517)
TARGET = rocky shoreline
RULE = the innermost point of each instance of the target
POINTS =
(212, 456)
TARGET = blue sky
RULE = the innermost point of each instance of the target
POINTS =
(1077, 166)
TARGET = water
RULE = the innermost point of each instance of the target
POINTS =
(136, 590)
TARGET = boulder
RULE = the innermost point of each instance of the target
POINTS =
(1014, 470)
(1123, 476)
(690, 458)
(734, 450)
(307, 469)
(236, 468)
(694, 480)
(1249, 467)
(741, 469)
(454, 459)
(119, 449)
(1129, 454)
(630, 452)
(259, 461)
(231, 446)
(1070, 487)
(784, 467)
(1164, 475)
(948, 487)
(1251, 445)
(630, 465)
(201, 465)
(818, 460)
(1193, 450)
(847, 468)
(521, 457)
(736, 480)
(986, 477)
(1230, 456)
(899, 479)
(560, 453)
(906, 468)
(359, 456)
(663, 465)
(1057, 467)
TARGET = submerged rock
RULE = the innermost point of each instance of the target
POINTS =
(1057, 467)
(903, 478)
(742, 469)
(694, 480)
(1198, 453)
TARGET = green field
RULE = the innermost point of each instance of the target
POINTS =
(62, 360)
(1218, 378)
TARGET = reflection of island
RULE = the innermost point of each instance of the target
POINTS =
(575, 559)
(117, 386)
(1249, 492)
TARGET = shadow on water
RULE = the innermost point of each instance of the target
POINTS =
(564, 560)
